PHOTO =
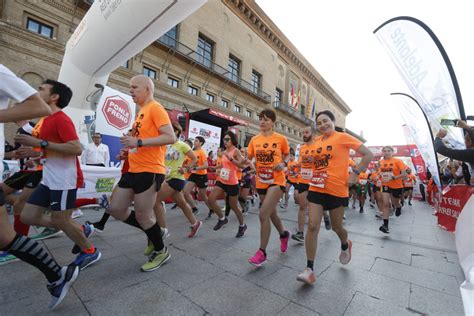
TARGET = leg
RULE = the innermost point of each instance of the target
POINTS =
(203, 195)
(20, 202)
(63, 221)
(267, 212)
(165, 192)
(315, 214)
(188, 194)
(212, 201)
(178, 197)
(303, 206)
(336, 220)
(119, 205)
(234, 205)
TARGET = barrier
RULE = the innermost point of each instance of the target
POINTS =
(451, 204)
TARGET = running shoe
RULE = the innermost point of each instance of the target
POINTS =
(307, 276)
(156, 260)
(165, 233)
(88, 231)
(299, 237)
(361, 210)
(103, 201)
(409, 203)
(195, 229)
(150, 247)
(346, 255)
(209, 215)
(174, 206)
(6, 258)
(98, 227)
(83, 260)
(76, 214)
(221, 223)
(284, 241)
(384, 229)
(258, 259)
(378, 215)
(241, 231)
(371, 205)
(59, 289)
(47, 233)
(398, 212)
(327, 222)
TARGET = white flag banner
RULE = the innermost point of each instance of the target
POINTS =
(425, 67)
(419, 129)
(210, 133)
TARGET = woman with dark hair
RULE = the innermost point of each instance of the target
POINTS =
(227, 183)
(328, 189)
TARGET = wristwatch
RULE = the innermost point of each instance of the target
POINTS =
(44, 144)
(139, 143)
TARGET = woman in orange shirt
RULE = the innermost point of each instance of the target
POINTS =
(292, 178)
(328, 189)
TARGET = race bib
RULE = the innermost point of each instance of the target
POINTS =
(319, 179)
(306, 173)
(224, 174)
(386, 176)
(265, 175)
(362, 182)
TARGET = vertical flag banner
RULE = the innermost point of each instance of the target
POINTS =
(425, 67)
(416, 157)
(415, 119)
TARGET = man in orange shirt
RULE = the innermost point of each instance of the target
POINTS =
(408, 185)
(151, 132)
(292, 178)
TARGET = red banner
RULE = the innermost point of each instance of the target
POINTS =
(451, 205)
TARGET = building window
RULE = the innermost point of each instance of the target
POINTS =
(234, 68)
(256, 81)
(204, 51)
(283, 127)
(248, 113)
(225, 104)
(237, 108)
(171, 37)
(210, 97)
(149, 72)
(193, 90)
(173, 82)
(39, 28)
(289, 130)
(278, 96)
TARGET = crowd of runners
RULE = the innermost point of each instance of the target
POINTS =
(158, 166)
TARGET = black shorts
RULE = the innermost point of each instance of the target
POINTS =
(264, 191)
(140, 182)
(303, 187)
(55, 200)
(408, 189)
(199, 179)
(229, 189)
(295, 185)
(396, 193)
(327, 201)
(34, 180)
(376, 189)
(245, 184)
(176, 184)
(18, 180)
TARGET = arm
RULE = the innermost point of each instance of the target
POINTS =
(466, 155)
(30, 108)
(193, 157)
(367, 156)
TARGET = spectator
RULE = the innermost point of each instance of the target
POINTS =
(96, 153)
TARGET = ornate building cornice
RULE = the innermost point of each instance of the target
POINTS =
(256, 19)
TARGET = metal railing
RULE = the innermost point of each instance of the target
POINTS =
(294, 113)
(209, 64)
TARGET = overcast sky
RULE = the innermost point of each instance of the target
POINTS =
(337, 38)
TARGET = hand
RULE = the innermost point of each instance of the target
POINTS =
(442, 133)
(182, 170)
(352, 179)
(27, 140)
(462, 124)
(24, 152)
(279, 167)
(128, 141)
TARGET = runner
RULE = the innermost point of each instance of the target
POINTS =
(30, 106)
(174, 182)
(377, 189)
(270, 151)
(245, 184)
(62, 174)
(408, 185)
(362, 187)
(198, 177)
(329, 187)
(292, 179)
(228, 184)
(353, 187)
(392, 172)
(151, 132)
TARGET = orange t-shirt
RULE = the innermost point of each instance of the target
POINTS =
(268, 152)
(35, 133)
(201, 160)
(151, 117)
(306, 162)
(186, 163)
(409, 181)
(331, 163)
(293, 171)
(389, 168)
(374, 177)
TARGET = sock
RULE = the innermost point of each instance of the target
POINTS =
(154, 235)
(132, 221)
(264, 252)
(89, 251)
(310, 264)
(82, 202)
(385, 222)
(344, 246)
(19, 227)
(223, 218)
(104, 219)
(33, 253)
(284, 235)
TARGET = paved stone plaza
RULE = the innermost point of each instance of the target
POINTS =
(414, 270)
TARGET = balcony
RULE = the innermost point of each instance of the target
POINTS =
(220, 71)
(294, 113)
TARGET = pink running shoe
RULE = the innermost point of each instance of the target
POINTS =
(258, 259)
(284, 242)
(307, 276)
(346, 255)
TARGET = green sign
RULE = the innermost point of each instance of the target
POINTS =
(104, 184)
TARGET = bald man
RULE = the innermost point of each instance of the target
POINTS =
(146, 145)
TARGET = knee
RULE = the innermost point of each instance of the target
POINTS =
(143, 218)
(313, 227)
(28, 219)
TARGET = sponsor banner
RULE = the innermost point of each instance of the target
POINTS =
(228, 117)
(425, 67)
(211, 134)
(98, 181)
(452, 203)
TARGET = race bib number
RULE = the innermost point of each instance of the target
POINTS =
(386, 176)
(306, 173)
(224, 174)
(362, 182)
(408, 183)
(265, 175)
(319, 179)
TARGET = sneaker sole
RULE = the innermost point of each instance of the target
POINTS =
(67, 286)
(350, 252)
(49, 236)
(8, 261)
(304, 280)
(92, 262)
(257, 264)
(162, 263)
(240, 236)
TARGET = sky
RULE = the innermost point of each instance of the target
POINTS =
(337, 38)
